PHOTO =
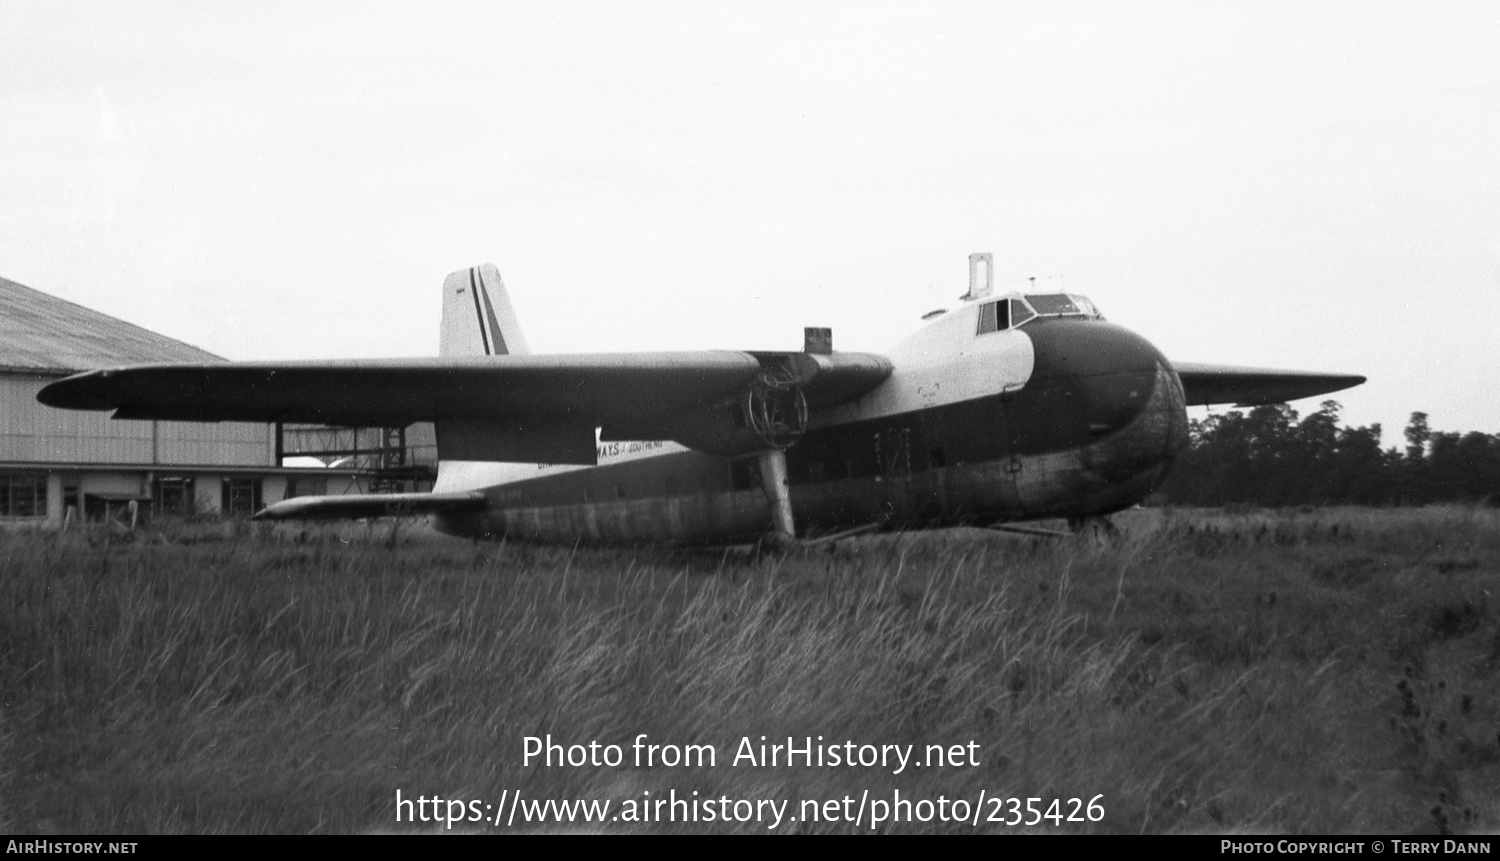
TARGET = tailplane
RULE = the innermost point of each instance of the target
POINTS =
(356, 506)
(478, 319)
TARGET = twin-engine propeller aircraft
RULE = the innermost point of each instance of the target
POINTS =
(1010, 408)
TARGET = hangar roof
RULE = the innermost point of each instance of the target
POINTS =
(42, 333)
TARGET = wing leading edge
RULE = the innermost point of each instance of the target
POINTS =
(1205, 384)
(400, 391)
(533, 389)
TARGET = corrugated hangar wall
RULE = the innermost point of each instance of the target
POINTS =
(61, 465)
(51, 460)
(32, 432)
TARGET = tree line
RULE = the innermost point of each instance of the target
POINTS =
(1271, 457)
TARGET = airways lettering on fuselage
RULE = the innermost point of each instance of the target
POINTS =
(615, 450)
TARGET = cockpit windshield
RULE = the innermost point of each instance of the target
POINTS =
(1002, 314)
(1052, 303)
(1061, 305)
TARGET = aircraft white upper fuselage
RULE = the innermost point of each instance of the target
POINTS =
(942, 362)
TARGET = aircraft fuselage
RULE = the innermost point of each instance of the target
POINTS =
(1061, 417)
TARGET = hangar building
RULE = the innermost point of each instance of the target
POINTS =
(62, 464)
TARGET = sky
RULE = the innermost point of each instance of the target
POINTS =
(1308, 186)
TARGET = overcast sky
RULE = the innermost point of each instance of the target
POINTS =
(1301, 185)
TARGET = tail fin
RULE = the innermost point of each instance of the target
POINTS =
(473, 325)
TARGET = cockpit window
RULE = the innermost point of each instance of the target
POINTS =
(1002, 314)
(986, 318)
(1060, 305)
(1019, 313)
(994, 317)
(1052, 303)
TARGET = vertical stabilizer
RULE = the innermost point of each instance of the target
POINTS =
(478, 319)
(475, 323)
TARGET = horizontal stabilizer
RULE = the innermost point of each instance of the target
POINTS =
(356, 506)
(1204, 384)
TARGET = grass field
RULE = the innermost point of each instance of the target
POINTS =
(1256, 672)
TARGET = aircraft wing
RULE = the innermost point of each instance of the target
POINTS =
(1204, 384)
(531, 390)
(355, 506)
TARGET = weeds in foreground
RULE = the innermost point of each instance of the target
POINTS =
(1323, 672)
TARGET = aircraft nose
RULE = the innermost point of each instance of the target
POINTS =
(1093, 379)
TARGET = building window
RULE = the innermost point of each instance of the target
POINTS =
(172, 495)
(240, 495)
(23, 495)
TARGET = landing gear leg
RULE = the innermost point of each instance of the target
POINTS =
(774, 481)
(1097, 527)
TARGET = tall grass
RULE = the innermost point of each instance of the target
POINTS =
(1281, 671)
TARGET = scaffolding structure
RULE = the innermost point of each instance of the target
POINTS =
(392, 459)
